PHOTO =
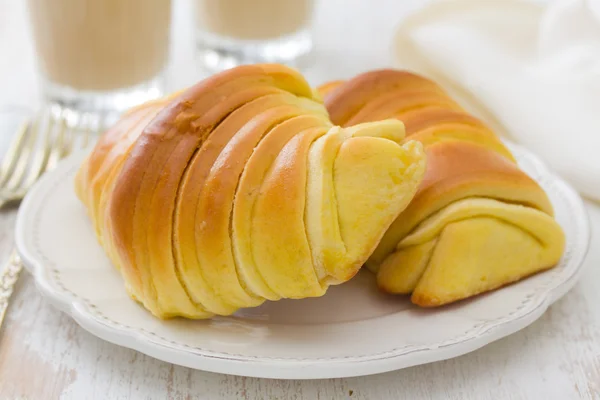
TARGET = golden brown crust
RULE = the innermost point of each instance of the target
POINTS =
(327, 87)
(439, 116)
(463, 134)
(346, 100)
(455, 164)
(429, 114)
(399, 102)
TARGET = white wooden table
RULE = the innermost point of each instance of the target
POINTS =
(45, 355)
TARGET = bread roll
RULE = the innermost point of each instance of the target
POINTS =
(240, 189)
(477, 222)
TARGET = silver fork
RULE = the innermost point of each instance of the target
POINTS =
(37, 148)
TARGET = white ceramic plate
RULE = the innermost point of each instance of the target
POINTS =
(352, 330)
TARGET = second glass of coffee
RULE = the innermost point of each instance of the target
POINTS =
(234, 32)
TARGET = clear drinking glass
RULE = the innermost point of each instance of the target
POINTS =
(234, 32)
(101, 54)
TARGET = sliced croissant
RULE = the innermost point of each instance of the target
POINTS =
(240, 189)
(477, 221)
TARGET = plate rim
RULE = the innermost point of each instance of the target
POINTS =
(295, 368)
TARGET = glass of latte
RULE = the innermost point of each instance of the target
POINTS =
(234, 32)
(101, 54)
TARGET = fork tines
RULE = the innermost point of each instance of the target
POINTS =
(39, 145)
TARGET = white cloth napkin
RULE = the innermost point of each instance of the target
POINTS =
(531, 70)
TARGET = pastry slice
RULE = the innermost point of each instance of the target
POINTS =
(248, 190)
(197, 197)
(351, 193)
(335, 191)
(441, 261)
(215, 206)
(476, 223)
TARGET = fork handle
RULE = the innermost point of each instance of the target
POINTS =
(8, 279)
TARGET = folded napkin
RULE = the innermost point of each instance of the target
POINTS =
(531, 70)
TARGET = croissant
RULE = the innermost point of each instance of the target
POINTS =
(477, 222)
(240, 190)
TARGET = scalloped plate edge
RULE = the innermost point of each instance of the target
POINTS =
(295, 369)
